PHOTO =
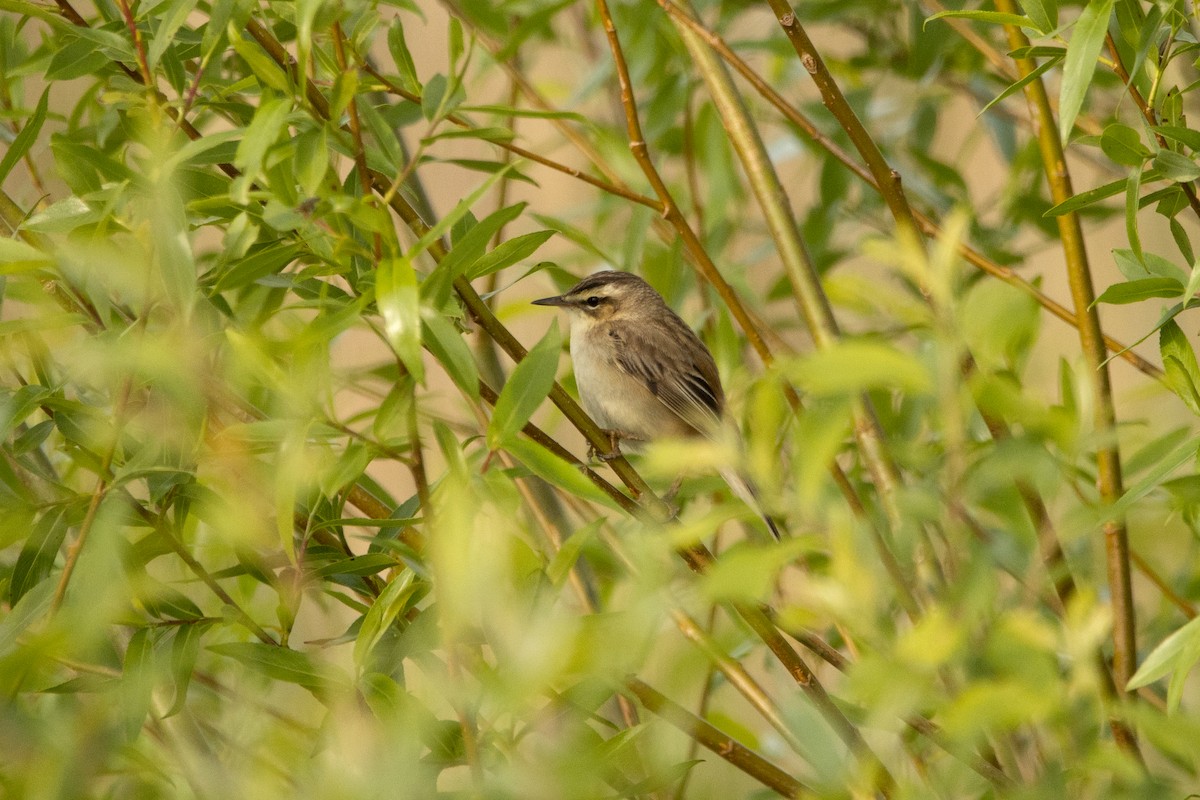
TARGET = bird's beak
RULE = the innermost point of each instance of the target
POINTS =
(560, 300)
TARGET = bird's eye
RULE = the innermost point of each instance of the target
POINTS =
(592, 301)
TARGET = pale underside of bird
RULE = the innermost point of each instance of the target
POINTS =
(642, 373)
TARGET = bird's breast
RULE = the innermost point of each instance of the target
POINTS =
(615, 399)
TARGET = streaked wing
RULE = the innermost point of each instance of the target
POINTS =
(676, 367)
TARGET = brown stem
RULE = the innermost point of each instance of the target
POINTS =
(720, 743)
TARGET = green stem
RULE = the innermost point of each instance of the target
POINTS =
(1108, 461)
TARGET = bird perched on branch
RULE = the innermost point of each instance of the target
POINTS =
(642, 373)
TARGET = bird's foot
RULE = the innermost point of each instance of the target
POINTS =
(614, 447)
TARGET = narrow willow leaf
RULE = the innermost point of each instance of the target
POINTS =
(445, 343)
(1084, 199)
(508, 253)
(1133, 190)
(1179, 362)
(285, 664)
(264, 67)
(525, 389)
(1123, 145)
(1185, 136)
(399, 302)
(403, 58)
(1033, 75)
(1044, 13)
(1176, 167)
(557, 472)
(1193, 285)
(193, 151)
(458, 212)
(492, 134)
(990, 17)
(391, 601)
(263, 131)
(467, 249)
(1143, 289)
(531, 113)
(184, 650)
(38, 554)
(171, 22)
(25, 139)
(1083, 51)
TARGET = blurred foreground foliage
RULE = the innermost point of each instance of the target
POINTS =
(276, 522)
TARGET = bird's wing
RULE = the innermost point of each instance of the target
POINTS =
(672, 362)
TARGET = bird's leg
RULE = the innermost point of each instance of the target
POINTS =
(614, 446)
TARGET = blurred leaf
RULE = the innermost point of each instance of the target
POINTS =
(1044, 13)
(1176, 654)
(853, 366)
(287, 665)
(31, 608)
(185, 648)
(38, 554)
(25, 138)
(399, 302)
(1083, 51)
(1035, 74)
(525, 389)
(169, 24)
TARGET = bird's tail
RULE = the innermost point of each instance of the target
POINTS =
(744, 491)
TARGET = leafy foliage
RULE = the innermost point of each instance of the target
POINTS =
(286, 510)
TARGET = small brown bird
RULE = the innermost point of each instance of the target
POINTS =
(642, 372)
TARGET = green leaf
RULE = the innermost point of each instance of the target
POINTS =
(458, 212)
(264, 130)
(1084, 199)
(853, 366)
(557, 472)
(25, 138)
(33, 606)
(16, 257)
(1176, 167)
(508, 253)
(184, 650)
(1123, 145)
(265, 261)
(530, 113)
(1083, 51)
(990, 17)
(287, 665)
(465, 252)
(1144, 289)
(383, 612)
(433, 97)
(403, 58)
(1013, 88)
(1179, 362)
(525, 389)
(1177, 654)
(268, 72)
(1044, 14)
(38, 553)
(445, 343)
(1185, 136)
(399, 301)
(492, 134)
(167, 28)
(1150, 264)
(368, 564)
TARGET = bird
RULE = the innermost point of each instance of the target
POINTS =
(642, 373)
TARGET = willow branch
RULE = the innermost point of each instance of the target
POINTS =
(1083, 295)
(720, 743)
